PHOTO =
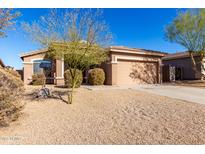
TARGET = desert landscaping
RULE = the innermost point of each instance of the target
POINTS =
(79, 85)
(114, 116)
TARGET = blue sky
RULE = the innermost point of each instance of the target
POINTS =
(140, 28)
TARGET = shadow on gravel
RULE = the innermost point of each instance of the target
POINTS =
(58, 95)
(33, 96)
(62, 86)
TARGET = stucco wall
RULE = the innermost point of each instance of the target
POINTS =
(33, 57)
(27, 71)
(112, 74)
(59, 74)
(28, 68)
(108, 72)
(186, 65)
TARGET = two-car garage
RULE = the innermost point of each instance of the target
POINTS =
(130, 66)
(136, 72)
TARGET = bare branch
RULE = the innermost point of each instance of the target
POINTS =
(7, 20)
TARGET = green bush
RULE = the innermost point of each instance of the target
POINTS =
(11, 92)
(38, 79)
(68, 79)
(96, 76)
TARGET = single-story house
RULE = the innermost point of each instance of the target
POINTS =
(125, 66)
(1, 63)
(183, 61)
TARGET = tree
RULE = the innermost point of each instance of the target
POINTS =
(7, 20)
(79, 36)
(188, 30)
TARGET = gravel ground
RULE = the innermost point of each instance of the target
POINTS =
(107, 117)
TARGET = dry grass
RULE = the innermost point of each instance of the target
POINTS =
(107, 117)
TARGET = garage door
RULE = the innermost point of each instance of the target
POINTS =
(133, 72)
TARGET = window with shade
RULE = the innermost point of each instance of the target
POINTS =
(42, 66)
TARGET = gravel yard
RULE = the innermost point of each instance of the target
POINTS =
(107, 117)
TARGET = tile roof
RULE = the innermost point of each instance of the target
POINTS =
(145, 51)
(33, 52)
(178, 55)
(111, 48)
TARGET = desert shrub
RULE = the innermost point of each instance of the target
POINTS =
(13, 72)
(38, 79)
(68, 79)
(96, 76)
(11, 90)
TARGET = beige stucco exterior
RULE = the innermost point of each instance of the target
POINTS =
(133, 66)
(28, 66)
(59, 74)
(125, 66)
(57, 69)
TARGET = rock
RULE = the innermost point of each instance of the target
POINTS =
(43, 93)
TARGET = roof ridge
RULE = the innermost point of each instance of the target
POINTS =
(178, 55)
(33, 52)
(140, 49)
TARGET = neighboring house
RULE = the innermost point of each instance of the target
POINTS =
(125, 66)
(1, 63)
(182, 60)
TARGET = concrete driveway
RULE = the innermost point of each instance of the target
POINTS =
(190, 94)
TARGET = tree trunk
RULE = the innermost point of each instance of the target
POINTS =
(44, 80)
(70, 95)
(194, 66)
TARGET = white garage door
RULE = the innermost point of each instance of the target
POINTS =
(132, 72)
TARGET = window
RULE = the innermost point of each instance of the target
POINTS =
(42, 66)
